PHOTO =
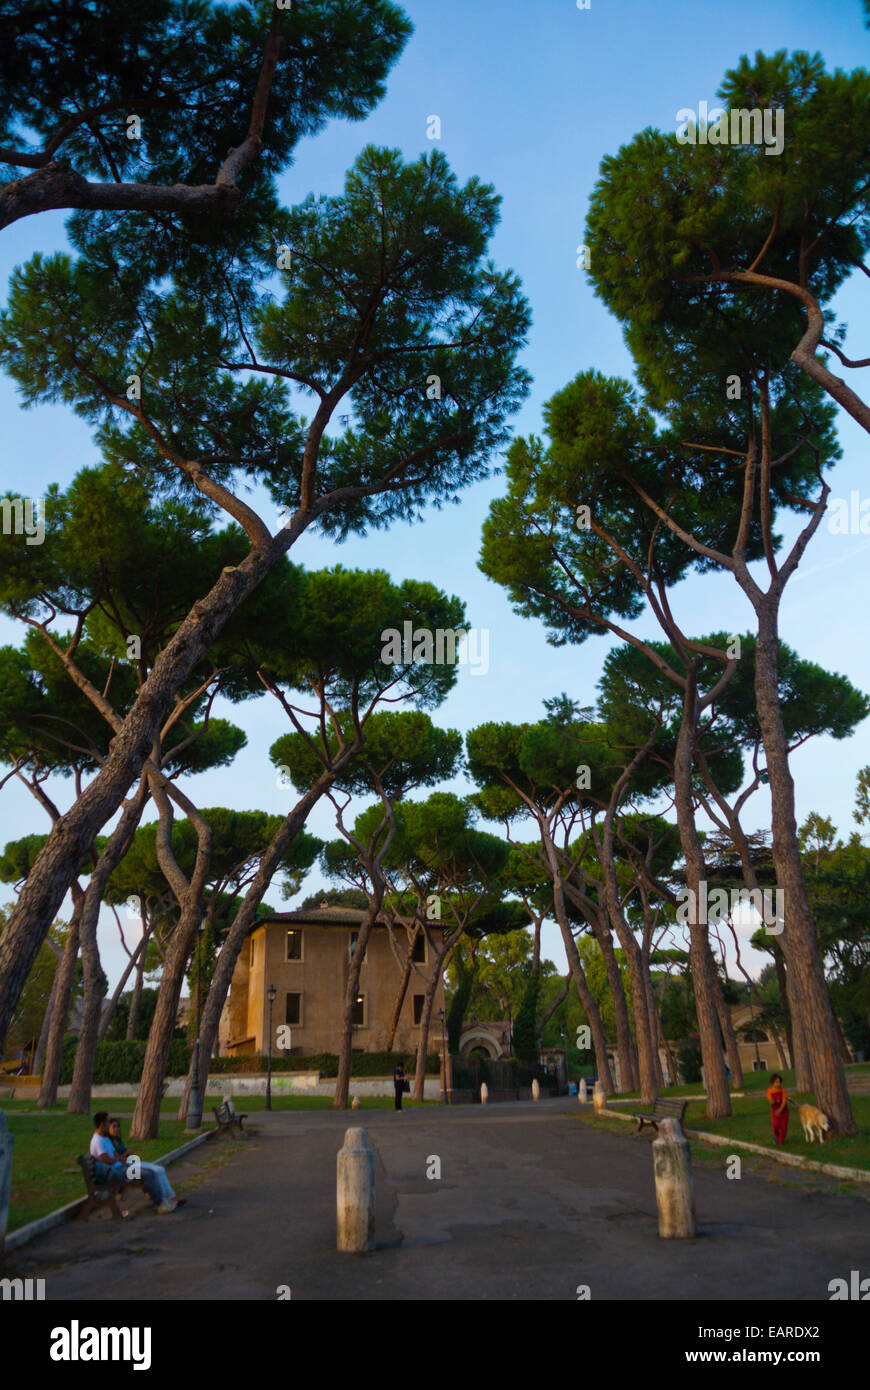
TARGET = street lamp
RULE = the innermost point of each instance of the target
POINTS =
(271, 992)
(194, 1109)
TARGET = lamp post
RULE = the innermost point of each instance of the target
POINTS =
(271, 992)
(194, 1109)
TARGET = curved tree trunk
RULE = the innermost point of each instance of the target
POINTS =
(79, 1102)
(60, 1013)
(209, 1024)
(42, 1043)
(72, 836)
(132, 964)
(729, 1037)
(808, 987)
(700, 955)
(400, 996)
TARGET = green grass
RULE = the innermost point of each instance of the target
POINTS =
(46, 1147)
(752, 1081)
(45, 1174)
(751, 1121)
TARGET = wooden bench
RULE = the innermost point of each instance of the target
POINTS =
(663, 1109)
(228, 1118)
(101, 1193)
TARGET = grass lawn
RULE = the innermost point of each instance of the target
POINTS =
(751, 1121)
(752, 1081)
(45, 1175)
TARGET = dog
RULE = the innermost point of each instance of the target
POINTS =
(812, 1122)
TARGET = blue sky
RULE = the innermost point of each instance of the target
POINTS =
(530, 98)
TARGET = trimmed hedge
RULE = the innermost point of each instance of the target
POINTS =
(117, 1063)
(361, 1064)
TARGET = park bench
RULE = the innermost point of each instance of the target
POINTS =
(228, 1118)
(663, 1109)
(101, 1192)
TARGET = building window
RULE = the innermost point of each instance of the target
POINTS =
(294, 945)
(293, 1010)
(354, 938)
(251, 954)
(759, 1065)
(419, 1000)
(359, 1011)
(419, 951)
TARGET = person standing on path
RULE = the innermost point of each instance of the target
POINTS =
(398, 1083)
(778, 1097)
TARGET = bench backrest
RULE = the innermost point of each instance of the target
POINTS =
(670, 1106)
(223, 1112)
(86, 1163)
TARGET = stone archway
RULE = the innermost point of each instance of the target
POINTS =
(478, 1038)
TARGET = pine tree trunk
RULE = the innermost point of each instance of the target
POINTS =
(425, 1024)
(107, 1014)
(596, 1027)
(799, 944)
(39, 1054)
(79, 1102)
(700, 955)
(73, 834)
(729, 1037)
(136, 997)
(400, 996)
(351, 990)
(625, 1048)
(239, 930)
(60, 1014)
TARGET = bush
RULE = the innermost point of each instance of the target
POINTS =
(689, 1060)
(120, 1063)
(326, 1063)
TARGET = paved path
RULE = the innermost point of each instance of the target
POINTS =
(531, 1203)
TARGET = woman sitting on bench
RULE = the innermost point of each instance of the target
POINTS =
(154, 1177)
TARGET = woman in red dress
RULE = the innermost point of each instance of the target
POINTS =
(778, 1098)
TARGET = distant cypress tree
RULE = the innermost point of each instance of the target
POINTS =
(525, 1027)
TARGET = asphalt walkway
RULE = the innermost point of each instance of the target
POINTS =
(531, 1204)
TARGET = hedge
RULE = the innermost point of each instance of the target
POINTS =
(326, 1063)
(121, 1062)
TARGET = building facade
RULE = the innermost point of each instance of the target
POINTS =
(307, 956)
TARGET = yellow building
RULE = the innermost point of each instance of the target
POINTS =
(306, 956)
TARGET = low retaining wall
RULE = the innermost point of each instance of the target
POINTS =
(297, 1083)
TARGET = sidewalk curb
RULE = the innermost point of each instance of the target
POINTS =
(831, 1170)
(24, 1234)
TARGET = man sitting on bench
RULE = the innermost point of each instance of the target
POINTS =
(107, 1163)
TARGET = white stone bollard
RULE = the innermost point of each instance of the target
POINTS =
(354, 1105)
(599, 1097)
(536, 1090)
(582, 1094)
(356, 1193)
(6, 1146)
(675, 1190)
(484, 1093)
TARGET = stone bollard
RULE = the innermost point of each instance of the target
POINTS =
(582, 1095)
(675, 1191)
(484, 1093)
(536, 1090)
(599, 1097)
(6, 1145)
(354, 1105)
(356, 1193)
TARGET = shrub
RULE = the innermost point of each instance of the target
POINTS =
(120, 1063)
